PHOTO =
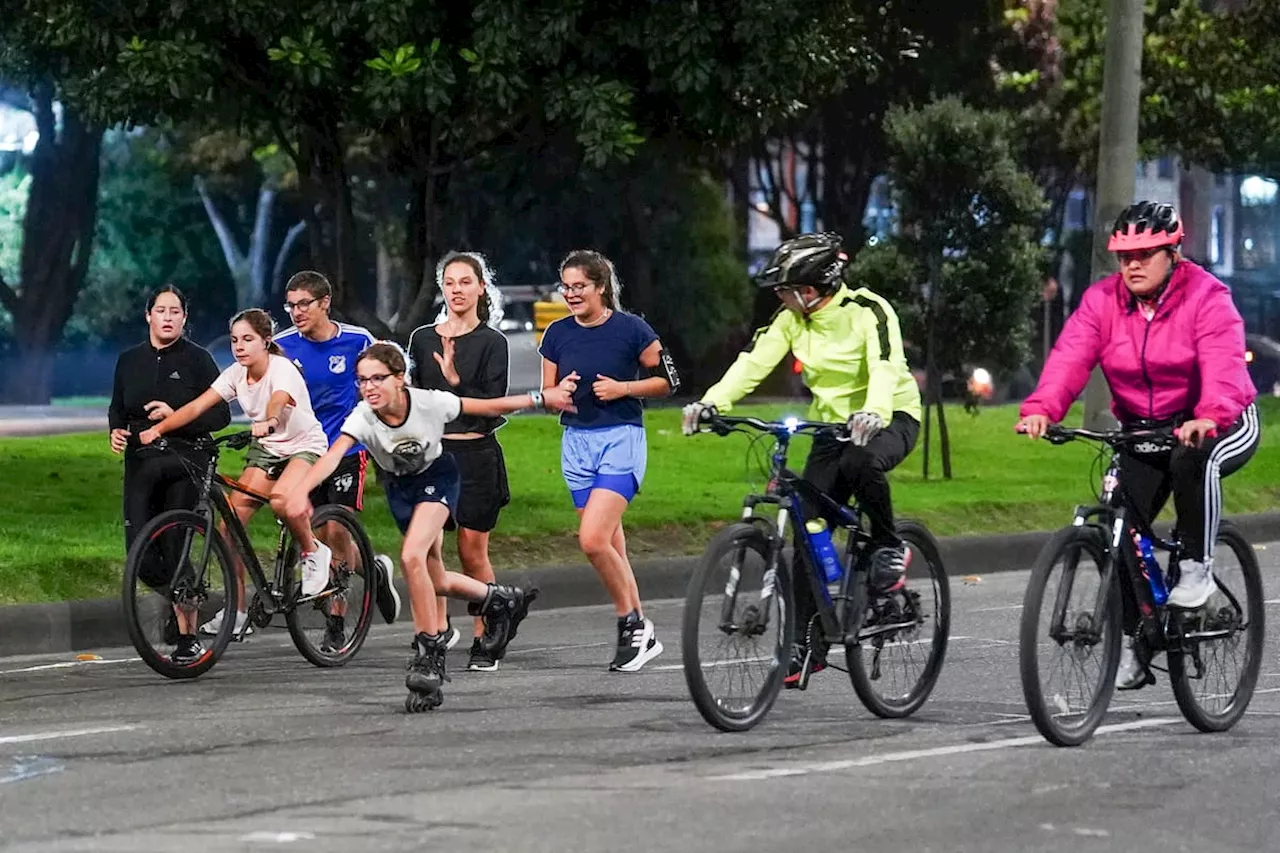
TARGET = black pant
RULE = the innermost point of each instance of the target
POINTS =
(156, 481)
(1193, 475)
(843, 470)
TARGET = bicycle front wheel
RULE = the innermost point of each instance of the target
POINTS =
(328, 629)
(737, 628)
(902, 641)
(178, 576)
(1069, 641)
(1215, 674)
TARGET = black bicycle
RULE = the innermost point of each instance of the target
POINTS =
(181, 573)
(738, 616)
(1070, 650)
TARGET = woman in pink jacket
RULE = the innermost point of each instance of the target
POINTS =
(1171, 345)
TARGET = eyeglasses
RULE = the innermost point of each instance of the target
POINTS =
(575, 289)
(1139, 255)
(300, 305)
(375, 380)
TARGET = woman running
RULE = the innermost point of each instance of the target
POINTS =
(462, 353)
(287, 440)
(402, 428)
(617, 360)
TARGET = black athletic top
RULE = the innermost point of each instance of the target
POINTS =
(175, 375)
(482, 360)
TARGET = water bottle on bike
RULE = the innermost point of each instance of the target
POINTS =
(828, 558)
(1151, 569)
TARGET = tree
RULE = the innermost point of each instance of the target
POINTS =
(57, 238)
(965, 268)
(434, 87)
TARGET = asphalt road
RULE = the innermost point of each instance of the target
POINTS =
(553, 753)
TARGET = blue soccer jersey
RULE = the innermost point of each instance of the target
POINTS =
(329, 368)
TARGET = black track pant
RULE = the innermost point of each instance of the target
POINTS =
(843, 470)
(155, 482)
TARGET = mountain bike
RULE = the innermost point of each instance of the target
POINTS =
(738, 617)
(181, 570)
(1106, 577)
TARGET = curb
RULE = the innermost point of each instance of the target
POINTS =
(28, 629)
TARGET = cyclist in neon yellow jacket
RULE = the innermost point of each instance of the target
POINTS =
(850, 347)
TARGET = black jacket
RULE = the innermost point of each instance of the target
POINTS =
(176, 375)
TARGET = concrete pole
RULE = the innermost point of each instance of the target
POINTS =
(1117, 161)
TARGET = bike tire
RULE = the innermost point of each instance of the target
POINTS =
(1082, 540)
(740, 543)
(138, 616)
(357, 587)
(865, 680)
(1184, 681)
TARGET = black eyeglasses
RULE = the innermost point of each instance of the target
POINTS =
(300, 305)
(1139, 255)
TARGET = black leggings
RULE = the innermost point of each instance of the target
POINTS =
(843, 470)
(1193, 475)
(155, 482)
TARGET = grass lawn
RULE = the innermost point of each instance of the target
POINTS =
(61, 534)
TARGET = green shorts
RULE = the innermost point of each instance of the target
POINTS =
(259, 457)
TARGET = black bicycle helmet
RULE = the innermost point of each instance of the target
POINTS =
(813, 259)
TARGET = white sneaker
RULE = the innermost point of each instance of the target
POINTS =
(1195, 585)
(1131, 674)
(314, 568)
(451, 636)
(214, 625)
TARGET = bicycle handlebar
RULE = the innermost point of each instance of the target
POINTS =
(234, 440)
(726, 423)
(1058, 434)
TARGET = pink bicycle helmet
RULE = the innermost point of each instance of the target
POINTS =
(1145, 225)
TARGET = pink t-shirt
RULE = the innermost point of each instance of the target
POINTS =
(299, 431)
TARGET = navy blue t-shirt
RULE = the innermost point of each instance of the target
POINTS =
(611, 349)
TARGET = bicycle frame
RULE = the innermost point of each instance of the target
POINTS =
(789, 493)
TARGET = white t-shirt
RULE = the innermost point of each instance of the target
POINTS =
(411, 447)
(299, 431)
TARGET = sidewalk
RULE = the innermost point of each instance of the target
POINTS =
(50, 420)
(75, 625)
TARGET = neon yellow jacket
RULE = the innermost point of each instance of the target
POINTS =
(851, 353)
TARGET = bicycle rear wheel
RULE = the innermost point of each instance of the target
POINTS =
(902, 641)
(737, 628)
(1068, 652)
(169, 587)
(1214, 680)
(329, 629)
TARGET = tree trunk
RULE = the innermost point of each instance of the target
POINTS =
(57, 239)
(850, 160)
(933, 381)
(1117, 161)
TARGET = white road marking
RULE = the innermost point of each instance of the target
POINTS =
(68, 665)
(277, 837)
(66, 733)
(914, 754)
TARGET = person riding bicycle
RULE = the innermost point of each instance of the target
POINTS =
(850, 347)
(1171, 345)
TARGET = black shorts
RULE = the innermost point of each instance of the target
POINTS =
(438, 484)
(346, 485)
(484, 482)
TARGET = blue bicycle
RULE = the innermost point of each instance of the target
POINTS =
(738, 617)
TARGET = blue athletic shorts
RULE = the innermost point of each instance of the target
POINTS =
(440, 483)
(610, 458)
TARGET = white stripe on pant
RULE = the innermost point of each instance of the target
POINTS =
(1230, 447)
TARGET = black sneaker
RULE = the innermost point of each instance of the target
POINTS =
(335, 635)
(187, 650)
(388, 597)
(889, 568)
(795, 672)
(637, 644)
(481, 659)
